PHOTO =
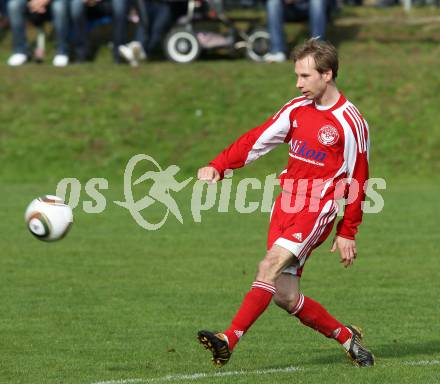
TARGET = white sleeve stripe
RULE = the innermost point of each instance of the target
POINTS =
(285, 106)
(365, 130)
(359, 129)
(355, 121)
(352, 121)
(269, 139)
(350, 144)
(274, 134)
(368, 140)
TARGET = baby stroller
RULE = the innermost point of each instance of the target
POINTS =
(206, 27)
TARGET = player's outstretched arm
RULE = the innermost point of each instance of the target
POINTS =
(347, 250)
(209, 174)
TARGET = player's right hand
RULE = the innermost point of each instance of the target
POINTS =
(209, 174)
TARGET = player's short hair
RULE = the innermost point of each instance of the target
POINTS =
(323, 52)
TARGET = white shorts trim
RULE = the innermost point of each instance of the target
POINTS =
(295, 249)
(291, 246)
(300, 250)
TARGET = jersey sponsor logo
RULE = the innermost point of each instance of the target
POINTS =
(328, 135)
(300, 151)
(294, 124)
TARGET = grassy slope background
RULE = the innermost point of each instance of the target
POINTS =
(113, 301)
(89, 120)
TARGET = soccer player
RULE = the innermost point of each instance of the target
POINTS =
(328, 148)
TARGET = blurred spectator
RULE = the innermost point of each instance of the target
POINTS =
(79, 10)
(356, 3)
(2, 8)
(315, 11)
(3, 18)
(17, 10)
(389, 3)
(158, 20)
(275, 25)
(318, 18)
(155, 18)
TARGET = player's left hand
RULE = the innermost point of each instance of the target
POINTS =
(347, 250)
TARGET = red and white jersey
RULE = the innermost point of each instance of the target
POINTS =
(326, 145)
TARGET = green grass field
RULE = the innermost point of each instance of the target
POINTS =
(114, 302)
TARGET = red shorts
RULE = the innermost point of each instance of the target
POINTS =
(300, 232)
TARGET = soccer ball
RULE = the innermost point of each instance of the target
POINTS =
(48, 218)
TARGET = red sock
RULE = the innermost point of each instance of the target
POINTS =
(254, 304)
(314, 315)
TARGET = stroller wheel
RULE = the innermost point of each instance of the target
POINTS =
(257, 44)
(182, 46)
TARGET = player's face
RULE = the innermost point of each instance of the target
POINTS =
(310, 82)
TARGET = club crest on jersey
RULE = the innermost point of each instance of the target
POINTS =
(328, 135)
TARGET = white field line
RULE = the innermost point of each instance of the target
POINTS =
(197, 376)
(202, 375)
(422, 362)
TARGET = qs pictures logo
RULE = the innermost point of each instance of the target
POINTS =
(150, 190)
